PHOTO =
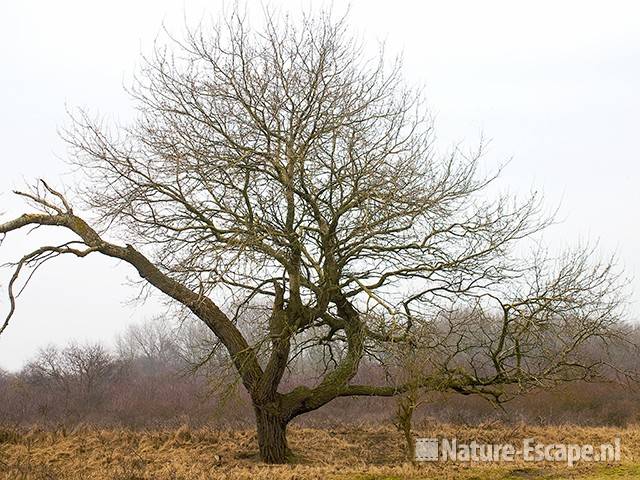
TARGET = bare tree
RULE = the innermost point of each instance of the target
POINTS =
(558, 321)
(49, 364)
(80, 374)
(285, 171)
(91, 365)
(152, 340)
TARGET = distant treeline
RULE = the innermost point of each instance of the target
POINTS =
(157, 376)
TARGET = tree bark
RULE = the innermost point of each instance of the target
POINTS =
(272, 436)
(406, 407)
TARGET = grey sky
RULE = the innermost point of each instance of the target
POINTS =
(553, 84)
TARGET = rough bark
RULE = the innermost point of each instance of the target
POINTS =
(404, 423)
(272, 435)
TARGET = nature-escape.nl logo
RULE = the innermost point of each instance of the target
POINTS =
(433, 450)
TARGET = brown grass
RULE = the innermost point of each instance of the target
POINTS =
(362, 453)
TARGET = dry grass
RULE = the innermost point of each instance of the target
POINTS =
(349, 453)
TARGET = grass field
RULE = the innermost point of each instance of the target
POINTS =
(364, 453)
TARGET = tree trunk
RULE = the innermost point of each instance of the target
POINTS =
(403, 421)
(272, 436)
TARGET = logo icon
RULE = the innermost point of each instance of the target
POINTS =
(427, 449)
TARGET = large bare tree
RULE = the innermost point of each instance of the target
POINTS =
(283, 169)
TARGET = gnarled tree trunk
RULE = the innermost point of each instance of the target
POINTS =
(272, 436)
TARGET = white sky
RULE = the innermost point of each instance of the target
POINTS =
(553, 84)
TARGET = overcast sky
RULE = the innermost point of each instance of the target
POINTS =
(554, 84)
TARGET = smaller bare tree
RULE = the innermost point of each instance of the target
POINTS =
(153, 340)
(80, 374)
(556, 322)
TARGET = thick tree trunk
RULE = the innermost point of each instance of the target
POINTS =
(272, 436)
